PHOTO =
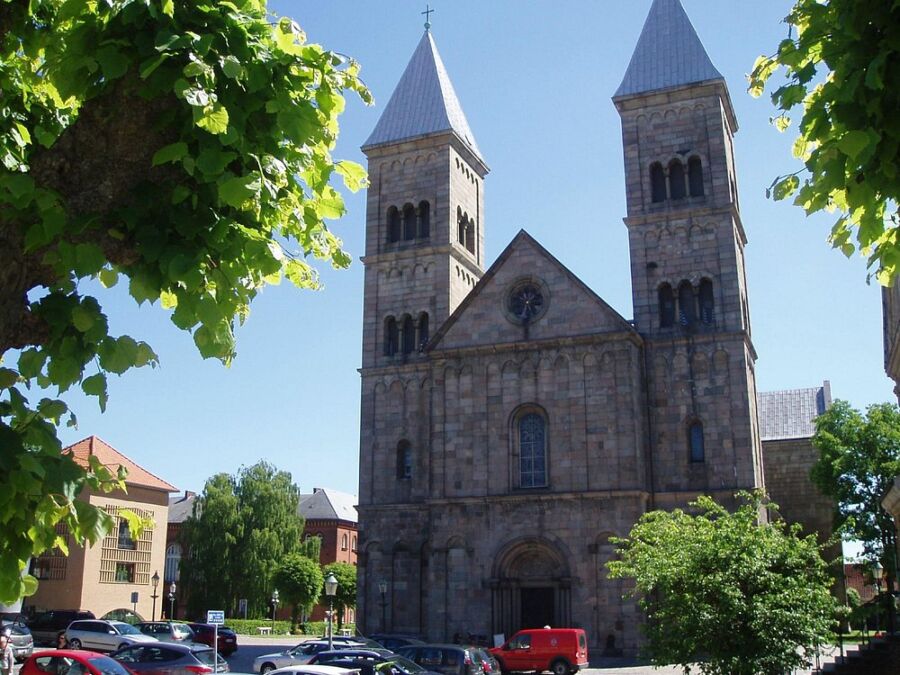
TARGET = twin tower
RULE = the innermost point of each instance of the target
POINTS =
(511, 420)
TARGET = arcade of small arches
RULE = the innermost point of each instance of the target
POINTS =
(466, 230)
(675, 181)
(692, 305)
(406, 334)
(409, 223)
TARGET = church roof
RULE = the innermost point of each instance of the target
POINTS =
(792, 413)
(668, 53)
(423, 103)
(328, 504)
(181, 507)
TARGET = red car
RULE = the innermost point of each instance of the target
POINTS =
(203, 633)
(71, 662)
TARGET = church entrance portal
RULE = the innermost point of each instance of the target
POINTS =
(530, 588)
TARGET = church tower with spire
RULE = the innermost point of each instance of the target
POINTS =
(687, 262)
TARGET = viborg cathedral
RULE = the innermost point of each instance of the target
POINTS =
(512, 421)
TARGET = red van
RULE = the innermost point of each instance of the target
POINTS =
(559, 650)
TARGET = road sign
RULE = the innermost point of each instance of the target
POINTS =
(134, 597)
(215, 617)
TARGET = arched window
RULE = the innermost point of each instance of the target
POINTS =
(666, 306)
(393, 224)
(676, 180)
(687, 310)
(657, 183)
(409, 222)
(532, 451)
(391, 336)
(423, 329)
(345, 542)
(404, 460)
(695, 438)
(354, 544)
(461, 226)
(424, 220)
(173, 563)
(706, 301)
(695, 176)
(408, 339)
(470, 236)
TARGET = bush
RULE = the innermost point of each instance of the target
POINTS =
(249, 626)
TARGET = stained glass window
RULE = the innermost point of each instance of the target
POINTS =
(532, 451)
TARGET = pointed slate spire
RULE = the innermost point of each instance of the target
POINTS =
(423, 103)
(668, 53)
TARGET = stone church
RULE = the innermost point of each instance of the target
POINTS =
(512, 421)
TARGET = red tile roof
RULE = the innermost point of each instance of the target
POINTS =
(112, 458)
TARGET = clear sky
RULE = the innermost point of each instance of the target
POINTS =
(535, 80)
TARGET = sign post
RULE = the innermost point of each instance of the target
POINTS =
(217, 618)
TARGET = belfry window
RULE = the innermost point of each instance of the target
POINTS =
(404, 460)
(532, 451)
(424, 220)
(657, 183)
(470, 236)
(409, 335)
(393, 224)
(676, 180)
(687, 310)
(423, 330)
(695, 176)
(666, 306)
(409, 222)
(706, 301)
(695, 438)
(391, 336)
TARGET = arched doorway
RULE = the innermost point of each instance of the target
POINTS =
(531, 587)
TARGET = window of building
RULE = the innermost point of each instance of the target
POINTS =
(173, 563)
(687, 310)
(706, 301)
(404, 460)
(695, 437)
(354, 543)
(391, 336)
(40, 568)
(666, 306)
(423, 329)
(532, 451)
(695, 176)
(125, 539)
(344, 542)
(125, 572)
(657, 183)
(424, 220)
(409, 335)
(409, 222)
(470, 236)
(676, 180)
(393, 224)
(462, 223)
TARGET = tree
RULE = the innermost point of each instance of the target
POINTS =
(299, 581)
(345, 573)
(182, 146)
(859, 458)
(840, 63)
(724, 592)
(242, 528)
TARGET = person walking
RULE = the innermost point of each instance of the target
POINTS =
(61, 642)
(7, 658)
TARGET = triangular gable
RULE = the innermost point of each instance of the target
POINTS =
(113, 459)
(570, 308)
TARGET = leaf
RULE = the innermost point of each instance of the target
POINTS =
(168, 300)
(113, 62)
(354, 175)
(108, 277)
(214, 118)
(240, 191)
(853, 143)
(170, 153)
(89, 259)
(168, 7)
(52, 409)
(232, 67)
(8, 378)
(82, 319)
(95, 385)
(785, 187)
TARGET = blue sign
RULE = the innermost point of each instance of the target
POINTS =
(215, 616)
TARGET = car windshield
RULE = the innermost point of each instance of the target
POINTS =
(182, 630)
(406, 665)
(108, 666)
(126, 629)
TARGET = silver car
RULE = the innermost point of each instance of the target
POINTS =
(298, 655)
(20, 638)
(104, 636)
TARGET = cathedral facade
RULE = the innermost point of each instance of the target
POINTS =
(512, 421)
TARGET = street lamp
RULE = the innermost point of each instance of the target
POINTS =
(274, 606)
(382, 588)
(172, 601)
(877, 574)
(331, 585)
(154, 582)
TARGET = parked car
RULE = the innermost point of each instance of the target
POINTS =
(394, 642)
(166, 658)
(69, 661)
(370, 662)
(559, 650)
(46, 626)
(296, 655)
(315, 670)
(167, 631)
(446, 659)
(352, 641)
(204, 632)
(20, 638)
(104, 636)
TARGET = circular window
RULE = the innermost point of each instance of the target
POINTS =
(526, 301)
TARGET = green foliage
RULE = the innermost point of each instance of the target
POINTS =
(183, 146)
(249, 626)
(838, 64)
(345, 573)
(724, 593)
(859, 457)
(311, 547)
(242, 527)
(299, 581)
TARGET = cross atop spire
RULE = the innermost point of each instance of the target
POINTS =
(668, 53)
(428, 12)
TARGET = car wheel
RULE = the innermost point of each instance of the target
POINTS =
(266, 667)
(75, 643)
(559, 667)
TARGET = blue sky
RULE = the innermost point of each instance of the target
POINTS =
(535, 80)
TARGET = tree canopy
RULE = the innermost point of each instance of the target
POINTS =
(725, 593)
(183, 147)
(299, 581)
(859, 457)
(345, 573)
(840, 62)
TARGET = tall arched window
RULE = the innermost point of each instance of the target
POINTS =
(391, 336)
(408, 335)
(393, 224)
(687, 309)
(461, 221)
(409, 222)
(345, 542)
(666, 306)
(532, 451)
(470, 236)
(706, 301)
(404, 460)
(695, 176)
(424, 220)
(354, 543)
(695, 437)
(173, 562)
(676, 180)
(657, 183)
(423, 330)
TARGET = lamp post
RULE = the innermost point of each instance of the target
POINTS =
(172, 601)
(382, 588)
(877, 574)
(274, 607)
(331, 585)
(154, 583)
